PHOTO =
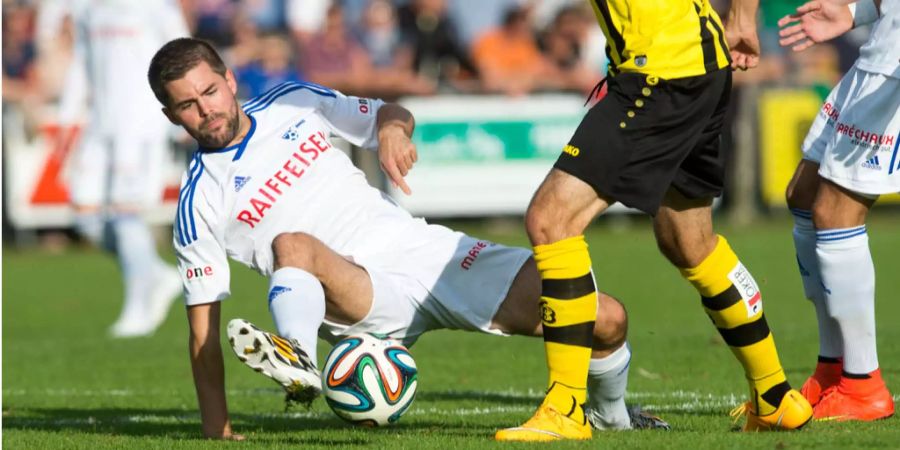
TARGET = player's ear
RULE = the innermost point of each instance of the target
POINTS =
(230, 80)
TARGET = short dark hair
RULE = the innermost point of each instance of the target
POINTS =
(175, 59)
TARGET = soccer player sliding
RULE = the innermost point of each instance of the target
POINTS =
(267, 189)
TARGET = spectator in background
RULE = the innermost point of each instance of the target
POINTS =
(390, 53)
(333, 58)
(268, 15)
(508, 57)
(19, 75)
(273, 67)
(213, 20)
(438, 52)
(305, 18)
(562, 43)
(246, 42)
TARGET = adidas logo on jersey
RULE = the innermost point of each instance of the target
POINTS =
(239, 183)
(872, 163)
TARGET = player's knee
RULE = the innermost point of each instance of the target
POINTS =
(294, 250)
(611, 327)
(539, 224)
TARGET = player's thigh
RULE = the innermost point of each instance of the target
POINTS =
(683, 229)
(838, 207)
(563, 206)
(347, 285)
(801, 191)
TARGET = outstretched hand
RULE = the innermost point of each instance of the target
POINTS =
(397, 154)
(813, 23)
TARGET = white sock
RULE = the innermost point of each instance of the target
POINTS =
(607, 379)
(848, 276)
(297, 304)
(136, 251)
(830, 343)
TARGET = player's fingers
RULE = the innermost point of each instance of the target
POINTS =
(803, 45)
(791, 30)
(809, 7)
(394, 174)
(790, 18)
(752, 61)
(788, 41)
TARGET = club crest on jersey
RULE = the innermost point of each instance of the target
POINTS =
(292, 133)
(239, 183)
(746, 286)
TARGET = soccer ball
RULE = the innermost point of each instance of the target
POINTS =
(369, 380)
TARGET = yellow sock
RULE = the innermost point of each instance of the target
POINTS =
(732, 300)
(568, 312)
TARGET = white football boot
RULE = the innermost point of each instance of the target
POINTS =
(280, 359)
(144, 317)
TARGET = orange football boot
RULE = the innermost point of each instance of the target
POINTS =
(827, 374)
(856, 399)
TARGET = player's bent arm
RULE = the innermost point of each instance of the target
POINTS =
(209, 369)
(396, 152)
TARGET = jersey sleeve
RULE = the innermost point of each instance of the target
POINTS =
(352, 118)
(199, 245)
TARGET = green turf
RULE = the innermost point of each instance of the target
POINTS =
(66, 385)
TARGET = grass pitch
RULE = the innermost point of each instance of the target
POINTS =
(66, 385)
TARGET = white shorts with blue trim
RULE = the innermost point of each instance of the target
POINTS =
(436, 278)
(855, 138)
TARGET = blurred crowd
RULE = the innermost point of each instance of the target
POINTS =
(393, 48)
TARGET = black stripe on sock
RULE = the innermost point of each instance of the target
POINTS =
(829, 360)
(747, 334)
(707, 43)
(568, 288)
(855, 376)
(775, 393)
(723, 300)
(580, 334)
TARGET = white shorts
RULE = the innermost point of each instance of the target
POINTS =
(855, 136)
(437, 279)
(121, 169)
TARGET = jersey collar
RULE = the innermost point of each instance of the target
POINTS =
(240, 147)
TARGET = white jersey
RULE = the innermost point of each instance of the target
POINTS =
(881, 53)
(285, 176)
(114, 43)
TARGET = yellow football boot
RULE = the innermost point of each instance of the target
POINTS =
(548, 424)
(792, 414)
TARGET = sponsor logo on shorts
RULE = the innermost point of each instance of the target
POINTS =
(470, 258)
(199, 272)
(865, 138)
(572, 150)
(872, 163)
(748, 289)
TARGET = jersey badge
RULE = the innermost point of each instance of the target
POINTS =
(239, 183)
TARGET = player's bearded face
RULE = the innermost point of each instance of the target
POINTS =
(218, 129)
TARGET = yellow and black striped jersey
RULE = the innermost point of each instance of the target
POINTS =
(666, 38)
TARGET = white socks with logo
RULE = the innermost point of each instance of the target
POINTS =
(297, 305)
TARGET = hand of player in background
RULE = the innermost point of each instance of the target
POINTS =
(743, 43)
(397, 154)
(813, 23)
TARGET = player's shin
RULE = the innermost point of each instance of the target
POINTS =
(732, 300)
(297, 305)
(568, 311)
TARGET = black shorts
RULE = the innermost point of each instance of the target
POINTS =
(648, 134)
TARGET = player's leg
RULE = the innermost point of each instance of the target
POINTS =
(848, 277)
(731, 298)
(801, 194)
(610, 356)
(311, 282)
(561, 209)
(151, 284)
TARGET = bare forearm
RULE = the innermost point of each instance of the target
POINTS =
(742, 12)
(208, 369)
(393, 115)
